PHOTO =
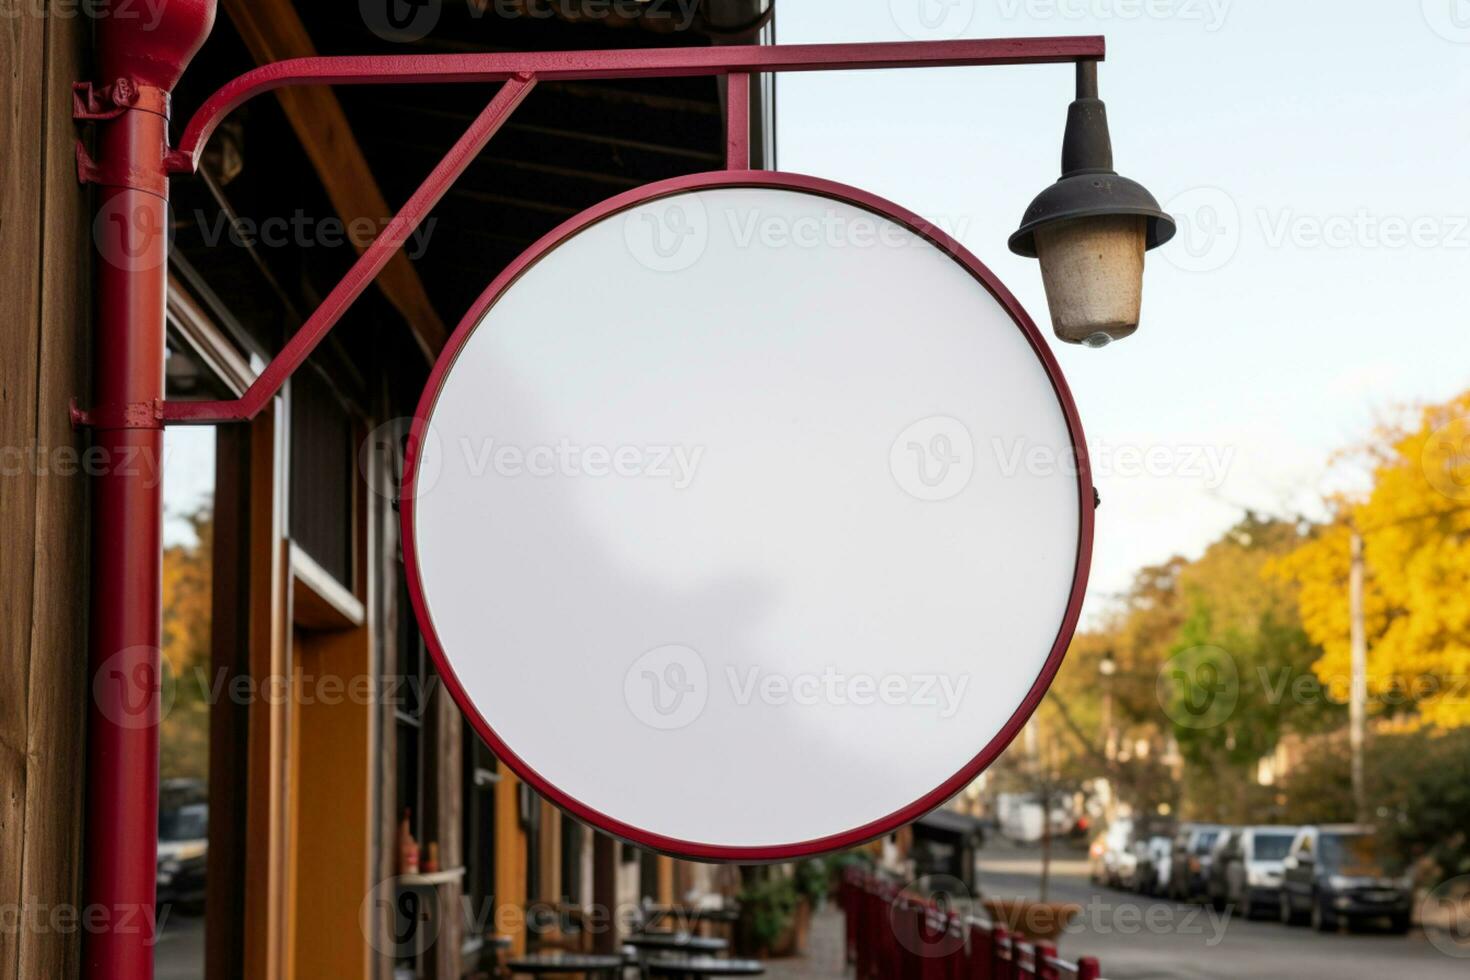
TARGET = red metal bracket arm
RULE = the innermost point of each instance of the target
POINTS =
(520, 72)
(363, 271)
(649, 63)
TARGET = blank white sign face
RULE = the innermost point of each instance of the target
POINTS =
(745, 520)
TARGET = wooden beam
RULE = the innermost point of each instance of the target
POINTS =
(268, 738)
(229, 718)
(333, 811)
(273, 31)
(605, 892)
(44, 340)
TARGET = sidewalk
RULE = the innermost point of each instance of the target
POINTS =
(824, 951)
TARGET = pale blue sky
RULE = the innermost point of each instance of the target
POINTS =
(1318, 157)
(1259, 123)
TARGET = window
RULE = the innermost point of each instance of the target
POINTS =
(647, 876)
(481, 773)
(408, 717)
(1360, 855)
(195, 580)
(572, 835)
(322, 474)
(1271, 847)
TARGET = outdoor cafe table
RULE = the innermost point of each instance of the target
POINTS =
(680, 942)
(585, 963)
(694, 967)
(700, 920)
(719, 915)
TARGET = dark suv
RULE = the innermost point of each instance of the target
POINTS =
(1339, 874)
(1190, 861)
(183, 844)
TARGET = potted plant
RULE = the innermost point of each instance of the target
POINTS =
(811, 878)
(768, 916)
(1036, 921)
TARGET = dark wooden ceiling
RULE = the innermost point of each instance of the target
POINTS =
(570, 146)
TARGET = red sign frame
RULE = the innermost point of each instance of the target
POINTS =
(883, 209)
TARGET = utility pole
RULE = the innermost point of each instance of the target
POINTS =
(1042, 783)
(1358, 705)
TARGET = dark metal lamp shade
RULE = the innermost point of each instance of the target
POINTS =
(1092, 195)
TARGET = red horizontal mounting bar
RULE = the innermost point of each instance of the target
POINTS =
(363, 271)
(521, 72)
(550, 66)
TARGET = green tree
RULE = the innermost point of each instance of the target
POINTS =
(1243, 636)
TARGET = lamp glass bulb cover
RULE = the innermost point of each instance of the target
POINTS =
(1092, 268)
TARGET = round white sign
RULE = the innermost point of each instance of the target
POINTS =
(747, 517)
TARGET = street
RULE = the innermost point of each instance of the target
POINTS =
(1140, 938)
(180, 951)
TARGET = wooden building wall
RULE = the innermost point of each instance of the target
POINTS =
(45, 329)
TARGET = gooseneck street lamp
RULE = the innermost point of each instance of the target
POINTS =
(1090, 229)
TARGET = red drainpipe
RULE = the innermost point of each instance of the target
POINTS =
(139, 59)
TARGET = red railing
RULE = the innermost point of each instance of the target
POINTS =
(893, 935)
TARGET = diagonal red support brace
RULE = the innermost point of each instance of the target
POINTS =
(362, 273)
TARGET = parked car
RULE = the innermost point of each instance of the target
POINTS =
(1246, 873)
(1131, 868)
(1155, 864)
(1340, 874)
(1111, 857)
(1020, 817)
(1135, 866)
(1212, 865)
(1189, 862)
(183, 844)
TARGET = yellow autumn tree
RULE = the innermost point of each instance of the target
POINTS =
(1415, 525)
(187, 594)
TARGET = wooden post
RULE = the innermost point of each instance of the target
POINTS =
(44, 344)
(605, 937)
